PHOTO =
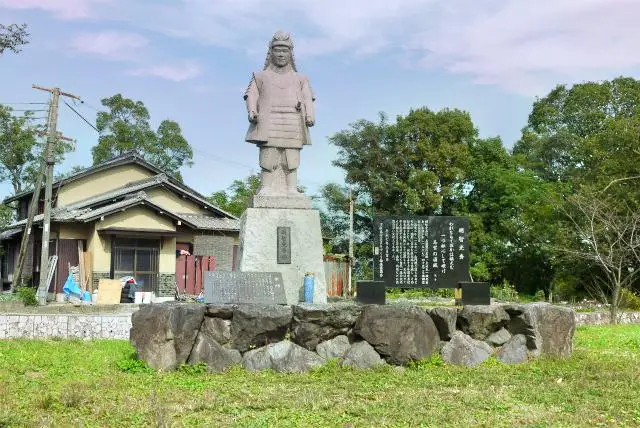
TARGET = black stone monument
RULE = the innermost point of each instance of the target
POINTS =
(421, 251)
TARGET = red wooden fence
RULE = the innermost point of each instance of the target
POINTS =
(190, 272)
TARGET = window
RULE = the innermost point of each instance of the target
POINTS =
(138, 258)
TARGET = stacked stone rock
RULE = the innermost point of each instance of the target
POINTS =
(299, 338)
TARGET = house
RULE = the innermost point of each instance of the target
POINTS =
(122, 217)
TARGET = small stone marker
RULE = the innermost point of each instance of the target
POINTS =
(475, 293)
(284, 245)
(244, 287)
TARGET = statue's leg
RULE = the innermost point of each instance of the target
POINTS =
(291, 170)
(269, 161)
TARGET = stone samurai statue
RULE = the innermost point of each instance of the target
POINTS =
(280, 107)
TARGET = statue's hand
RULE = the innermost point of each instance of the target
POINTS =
(309, 120)
(253, 117)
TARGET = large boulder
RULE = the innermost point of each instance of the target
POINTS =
(399, 333)
(463, 350)
(499, 337)
(362, 355)
(313, 324)
(333, 348)
(258, 325)
(549, 329)
(217, 357)
(479, 321)
(514, 351)
(283, 356)
(163, 334)
(220, 311)
(217, 329)
(445, 321)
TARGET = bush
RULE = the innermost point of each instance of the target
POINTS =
(505, 292)
(629, 300)
(28, 296)
(539, 296)
(134, 365)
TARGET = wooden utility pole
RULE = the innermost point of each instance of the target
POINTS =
(350, 282)
(52, 137)
(17, 273)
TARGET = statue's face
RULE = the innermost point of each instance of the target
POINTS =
(280, 56)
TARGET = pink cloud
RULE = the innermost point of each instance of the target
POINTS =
(112, 45)
(64, 9)
(176, 73)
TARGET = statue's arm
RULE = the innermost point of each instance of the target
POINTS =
(309, 98)
(251, 99)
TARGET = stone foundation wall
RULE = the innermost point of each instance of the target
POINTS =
(97, 276)
(601, 318)
(65, 326)
(298, 338)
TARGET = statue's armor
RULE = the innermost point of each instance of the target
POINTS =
(282, 100)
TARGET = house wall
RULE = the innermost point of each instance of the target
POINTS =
(101, 182)
(172, 202)
(137, 218)
(74, 231)
(100, 248)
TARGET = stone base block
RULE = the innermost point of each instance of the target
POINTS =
(259, 246)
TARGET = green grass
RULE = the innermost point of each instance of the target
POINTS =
(97, 383)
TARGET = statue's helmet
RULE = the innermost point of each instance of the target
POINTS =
(281, 38)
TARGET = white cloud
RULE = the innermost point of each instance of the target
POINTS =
(110, 45)
(176, 73)
(526, 46)
(522, 46)
(64, 9)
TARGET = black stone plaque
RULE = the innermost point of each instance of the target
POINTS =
(370, 292)
(284, 246)
(475, 293)
(244, 287)
(421, 251)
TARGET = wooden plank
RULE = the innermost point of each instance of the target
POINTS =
(87, 270)
(81, 265)
(109, 291)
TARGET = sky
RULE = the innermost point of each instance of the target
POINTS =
(191, 60)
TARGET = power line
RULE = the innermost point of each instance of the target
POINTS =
(28, 110)
(221, 159)
(81, 116)
(1, 102)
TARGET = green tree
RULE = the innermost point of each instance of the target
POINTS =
(6, 215)
(584, 134)
(126, 127)
(579, 139)
(235, 199)
(20, 150)
(13, 37)
(19, 158)
(416, 165)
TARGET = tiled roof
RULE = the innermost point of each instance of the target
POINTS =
(73, 213)
(211, 223)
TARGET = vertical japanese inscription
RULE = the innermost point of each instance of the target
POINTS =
(421, 251)
(284, 245)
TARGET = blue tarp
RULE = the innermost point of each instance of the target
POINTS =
(71, 287)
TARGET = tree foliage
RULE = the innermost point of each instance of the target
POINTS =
(577, 139)
(13, 37)
(235, 199)
(21, 149)
(125, 126)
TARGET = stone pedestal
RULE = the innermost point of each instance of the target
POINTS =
(259, 247)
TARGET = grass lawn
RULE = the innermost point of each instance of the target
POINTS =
(75, 383)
